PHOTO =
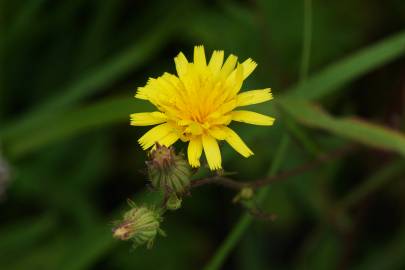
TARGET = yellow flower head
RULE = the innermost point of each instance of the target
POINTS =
(198, 104)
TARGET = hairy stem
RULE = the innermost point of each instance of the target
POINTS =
(233, 184)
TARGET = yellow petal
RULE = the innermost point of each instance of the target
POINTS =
(216, 61)
(149, 91)
(184, 122)
(227, 107)
(169, 139)
(212, 153)
(194, 128)
(254, 97)
(221, 120)
(229, 66)
(194, 152)
(154, 135)
(252, 118)
(199, 57)
(181, 64)
(248, 66)
(234, 81)
(141, 93)
(236, 142)
(147, 119)
(218, 133)
(164, 85)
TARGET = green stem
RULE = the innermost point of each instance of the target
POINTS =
(244, 222)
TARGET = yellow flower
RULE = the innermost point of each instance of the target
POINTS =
(198, 104)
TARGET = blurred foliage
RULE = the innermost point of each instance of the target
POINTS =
(69, 70)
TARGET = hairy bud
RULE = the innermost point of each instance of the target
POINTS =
(173, 202)
(244, 194)
(168, 171)
(140, 224)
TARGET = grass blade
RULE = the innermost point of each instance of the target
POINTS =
(337, 75)
(103, 113)
(351, 128)
(92, 82)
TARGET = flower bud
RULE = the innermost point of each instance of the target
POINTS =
(244, 194)
(174, 202)
(140, 224)
(167, 171)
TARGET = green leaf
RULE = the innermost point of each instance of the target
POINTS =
(337, 75)
(92, 82)
(100, 114)
(351, 128)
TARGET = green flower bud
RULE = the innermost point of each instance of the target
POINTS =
(174, 202)
(140, 224)
(167, 171)
(244, 194)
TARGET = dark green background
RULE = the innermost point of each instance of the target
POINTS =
(69, 70)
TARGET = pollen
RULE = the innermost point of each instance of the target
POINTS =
(198, 104)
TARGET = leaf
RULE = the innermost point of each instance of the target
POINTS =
(92, 82)
(102, 113)
(337, 75)
(350, 127)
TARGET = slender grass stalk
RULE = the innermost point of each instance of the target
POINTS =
(242, 225)
(298, 133)
(306, 40)
(233, 238)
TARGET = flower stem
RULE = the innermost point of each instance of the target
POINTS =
(256, 184)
